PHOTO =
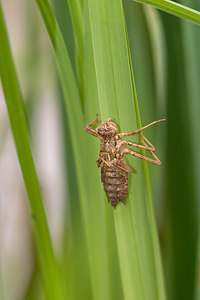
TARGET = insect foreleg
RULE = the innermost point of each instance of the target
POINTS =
(89, 129)
(105, 153)
(120, 135)
(155, 161)
(101, 159)
(107, 163)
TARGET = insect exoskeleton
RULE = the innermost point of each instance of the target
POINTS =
(114, 177)
(107, 129)
(114, 170)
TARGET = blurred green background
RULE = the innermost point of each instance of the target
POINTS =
(165, 56)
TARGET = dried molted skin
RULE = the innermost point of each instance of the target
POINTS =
(115, 185)
(114, 170)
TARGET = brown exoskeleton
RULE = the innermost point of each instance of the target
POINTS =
(114, 170)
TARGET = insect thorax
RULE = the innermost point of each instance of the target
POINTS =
(108, 149)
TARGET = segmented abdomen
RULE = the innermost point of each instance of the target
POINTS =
(115, 185)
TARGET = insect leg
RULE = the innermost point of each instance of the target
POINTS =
(145, 147)
(105, 153)
(143, 142)
(89, 129)
(143, 139)
(107, 163)
(155, 161)
(120, 135)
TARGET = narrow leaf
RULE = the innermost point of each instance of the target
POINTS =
(77, 21)
(91, 207)
(175, 9)
(140, 266)
(181, 193)
(14, 101)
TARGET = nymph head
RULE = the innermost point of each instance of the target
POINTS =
(107, 129)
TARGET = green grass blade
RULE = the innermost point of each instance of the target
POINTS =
(62, 14)
(157, 39)
(77, 21)
(18, 123)
(154, 235)
(180, 239)
(91, 108)
(140, 277)
(91, 207)
(191, 48)
(175, 9)
(75, 265)
(147, 49)
(191, 41)
(68, 81)
(139, 39)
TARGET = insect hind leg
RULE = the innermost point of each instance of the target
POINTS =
(142, 140)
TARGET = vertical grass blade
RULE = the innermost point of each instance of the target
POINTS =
(93, 174)
(140, 267)
(139, 39)
(77, 21)
(75, 265)
(13, 97)
(62, 14)
(91, 207)
(147, 43)
(157, 39)
(181, 236)
(191, 49)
